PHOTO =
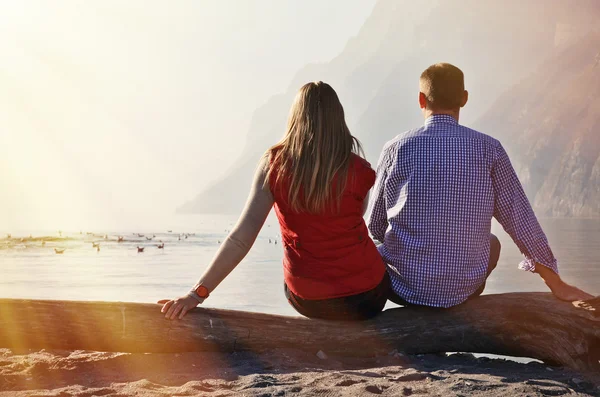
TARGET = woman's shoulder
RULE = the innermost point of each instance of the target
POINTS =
(359, 162)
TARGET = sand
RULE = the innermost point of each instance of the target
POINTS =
(278, 373)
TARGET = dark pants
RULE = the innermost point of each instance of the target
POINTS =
(495, 248)
(349, 308)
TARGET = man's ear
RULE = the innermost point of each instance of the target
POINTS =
(465, 98)
(422, 100)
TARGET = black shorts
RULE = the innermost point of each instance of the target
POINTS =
(357, 307)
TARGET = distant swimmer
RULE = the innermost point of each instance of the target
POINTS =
(218, 241)
(161, 246)
(154, 236)
(140, 249)
(106, 236)
(179, 238)
(269, 241)
(9, 235)
(186, 236)
(59, 251)
(120, 239)
(98, 248)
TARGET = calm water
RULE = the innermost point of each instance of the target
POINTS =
(119, 273)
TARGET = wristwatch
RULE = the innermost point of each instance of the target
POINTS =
(200, 293)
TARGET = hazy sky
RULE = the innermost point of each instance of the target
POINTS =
(114, 111)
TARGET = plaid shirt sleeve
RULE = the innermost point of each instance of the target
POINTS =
(513, 210)
(377, 220)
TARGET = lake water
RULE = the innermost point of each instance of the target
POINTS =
(119, 273)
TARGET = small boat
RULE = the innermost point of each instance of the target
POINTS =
(98, 248)
(59, 251)
(161, 246)
(120, 239)
(140, 249)
(149, 238)
(140, 235)
(169, 231)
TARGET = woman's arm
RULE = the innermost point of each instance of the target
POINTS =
(236, 245)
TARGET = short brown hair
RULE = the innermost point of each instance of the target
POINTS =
(443, 85)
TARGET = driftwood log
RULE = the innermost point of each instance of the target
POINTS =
(517, 324)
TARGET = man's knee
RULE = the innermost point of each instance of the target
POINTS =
(495, 248)
(495, 245)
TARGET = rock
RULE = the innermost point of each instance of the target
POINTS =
(396, 354)
(411, 377)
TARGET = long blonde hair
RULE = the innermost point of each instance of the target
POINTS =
(315, 150)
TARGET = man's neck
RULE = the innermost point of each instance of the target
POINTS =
(453, 113)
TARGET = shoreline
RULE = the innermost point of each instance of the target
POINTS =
(279, 372)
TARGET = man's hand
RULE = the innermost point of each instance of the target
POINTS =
(559, 288)
(179, 306)
(569, 293)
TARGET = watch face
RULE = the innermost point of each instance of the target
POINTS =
(202, 291)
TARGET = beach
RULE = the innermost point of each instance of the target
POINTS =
(118, 273)
(278, 373)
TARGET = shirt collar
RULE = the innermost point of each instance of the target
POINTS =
(440, 118)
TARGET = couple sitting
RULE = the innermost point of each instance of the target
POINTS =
(434, 195)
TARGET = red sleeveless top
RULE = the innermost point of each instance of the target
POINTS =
(330, 255)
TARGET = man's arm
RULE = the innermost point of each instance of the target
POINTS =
(513, 210)
(377, 220)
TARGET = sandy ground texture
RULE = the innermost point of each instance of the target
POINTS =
(278, 373)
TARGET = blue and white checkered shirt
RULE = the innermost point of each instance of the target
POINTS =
(436, 192)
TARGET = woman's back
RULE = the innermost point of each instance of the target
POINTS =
(329, 254)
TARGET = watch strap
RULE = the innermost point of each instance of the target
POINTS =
(194, 295)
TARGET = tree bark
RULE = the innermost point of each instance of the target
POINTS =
(532, 325)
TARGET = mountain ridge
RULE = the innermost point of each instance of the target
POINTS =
(376, 74)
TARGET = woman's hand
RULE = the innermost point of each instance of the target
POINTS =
(178, 307)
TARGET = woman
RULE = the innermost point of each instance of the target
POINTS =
(319, 186)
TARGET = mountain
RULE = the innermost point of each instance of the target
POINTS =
(550, 124)
(376, 75)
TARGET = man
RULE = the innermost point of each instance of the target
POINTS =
(437, 189)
